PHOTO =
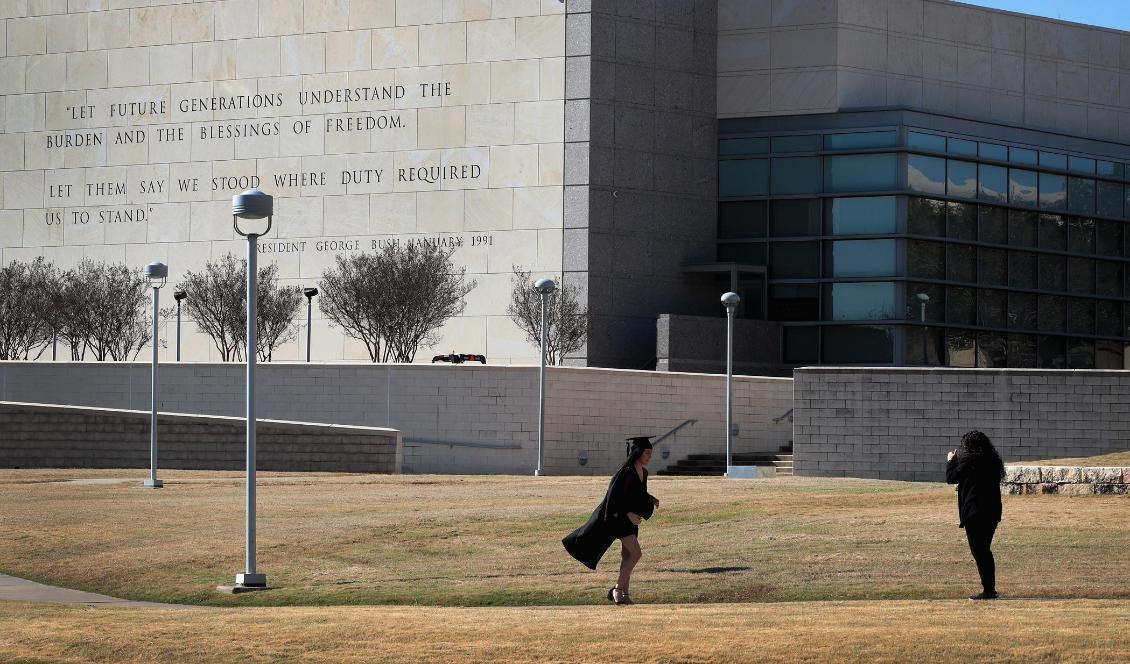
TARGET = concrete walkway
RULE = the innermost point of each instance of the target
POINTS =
(15, 589)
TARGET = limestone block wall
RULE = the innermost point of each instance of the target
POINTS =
(894, 423)
(454, 419)
(43, 436)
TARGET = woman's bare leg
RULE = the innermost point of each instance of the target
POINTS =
(630, 554)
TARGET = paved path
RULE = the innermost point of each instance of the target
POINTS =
(13, 588)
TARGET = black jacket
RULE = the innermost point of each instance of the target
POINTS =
(609, 521)
(978, 480)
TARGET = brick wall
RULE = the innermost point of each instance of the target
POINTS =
(42, 436)
(898, 424)
(465, 419)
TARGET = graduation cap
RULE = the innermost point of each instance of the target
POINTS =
(642, 442)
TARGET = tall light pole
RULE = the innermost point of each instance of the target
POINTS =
(309, 293)
(545, 287)
(157, 274)
(730, 300)
(923, 298)
(251, 204)
(178, 295)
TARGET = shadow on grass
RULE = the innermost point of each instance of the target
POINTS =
(708, 570)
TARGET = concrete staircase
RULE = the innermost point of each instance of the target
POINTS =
(714, 465)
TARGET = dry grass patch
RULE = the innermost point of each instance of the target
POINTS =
(488, 540)
(1031, 631)
(1112, 459)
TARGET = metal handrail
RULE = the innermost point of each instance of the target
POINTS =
(788, 414)
(673, 431)
(459, 443)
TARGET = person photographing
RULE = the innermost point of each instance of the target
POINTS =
(977, 470)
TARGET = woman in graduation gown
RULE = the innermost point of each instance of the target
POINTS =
(618, 516)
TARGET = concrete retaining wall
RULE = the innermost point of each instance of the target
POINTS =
(43, 436)
(454, 419)
(1067, 480)
(898, 424)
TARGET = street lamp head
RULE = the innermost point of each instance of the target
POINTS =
(730, 300)
(545, 286)
(252, 204)
(923, 298)
(179, 295)
(309, 292)
(156, 272)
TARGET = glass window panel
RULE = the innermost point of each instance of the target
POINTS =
(962, 221)
(1021, 311)
(794, 260)
(961, 178)
(1053, 232)
(1126, 210)
(1081, 195)
(1022, 156)
(795, 175)
(991, 350)
(1081, 316)
(861, 258)
(1108, 238)
(794, 217)
(861, 172)
(863, 215)
(992, 183)
(961, 263)
(1051, 353)
(1053, 160)
(1053, 313)
(922, 141)
(742, 252)
(926, 174)
(794, 302)
(962, 147)
(741, 219)
(1108, 278)
(961, 306)
(1021, 269)
(1022, 228)
(1080, 353)
(992, 308)
(802, 344)
(1081, 235)
(1053, 275)
(743, 177)
(959, 348)
(1108, 355)
(1081, 276)
(1022, 187)
(1053, 191)
(1021, 351)
(864, 301)
(926, 216)
(993, 151)
(924, 346)
(1081, 165)
(806, 143)
(1108, 318)
(932, 310)
(1109, 168)
(861, 139)
(992, 266)
(992, 225)
(732, 146)
(858, 344)
(1126, 283)
(926, 260)
(1109, 200)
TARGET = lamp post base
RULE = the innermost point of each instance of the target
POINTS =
(154, 484)
(539, 473)
(245, 583)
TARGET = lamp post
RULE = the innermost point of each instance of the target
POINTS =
(178, 295)
(250, 205)
(545, 287)
(730, 300)
(157, 273)
(309, 293)
(923, 298)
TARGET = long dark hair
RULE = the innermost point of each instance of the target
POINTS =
(634, 453)
(978, 444)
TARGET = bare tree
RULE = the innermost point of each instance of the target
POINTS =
(276, 306)
(102, 308)
(395, 300)
(567, 320)
(23, 322)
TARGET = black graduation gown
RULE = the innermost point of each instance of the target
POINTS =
(609, 521)
(978, 481)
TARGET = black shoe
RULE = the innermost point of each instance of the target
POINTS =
(984, 595)
(610, 597)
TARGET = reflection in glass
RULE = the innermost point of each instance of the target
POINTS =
(732, 146)
(992, 266)
(924, 346)
(1053, 191)
(1109, 200)
(1053, 232)
(862, 301)
(993, 151)
(962, 221)
(992, 308)
(806, 143)
(1021, 269)
(1080, 354)
(794, 302)
(1053, 275)
(1081, 165)
(961, 263)
(863, 215)
(1022, 187)
(789, 218)
(961, 179)
(1081, 235)
(802, 344)
(1108, 279)
(1022, 228)
(741, 219)
(992, 183)
(1021, 351)
(861, 139)
(959, 349)
(926, 174)
(1053, 160)
(931, 311)
(861, 258)
(1108, 240)
(752, 253)
(1051, 353)
(1109, 168)
(926, 216)
(926, 260)
(795, 175)
(861, 172)
(1081, 316)
(1021, 311)
(1108, 355)
(992, 226)
(743, 177)
(858, 344)
(1053, 313)
(1081, 275)
(961, 306)
(794, 260)
(1022, 156)
(962, 146)
(1081, 195)
(1108, 318)
(921, 141)
(991, 353)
